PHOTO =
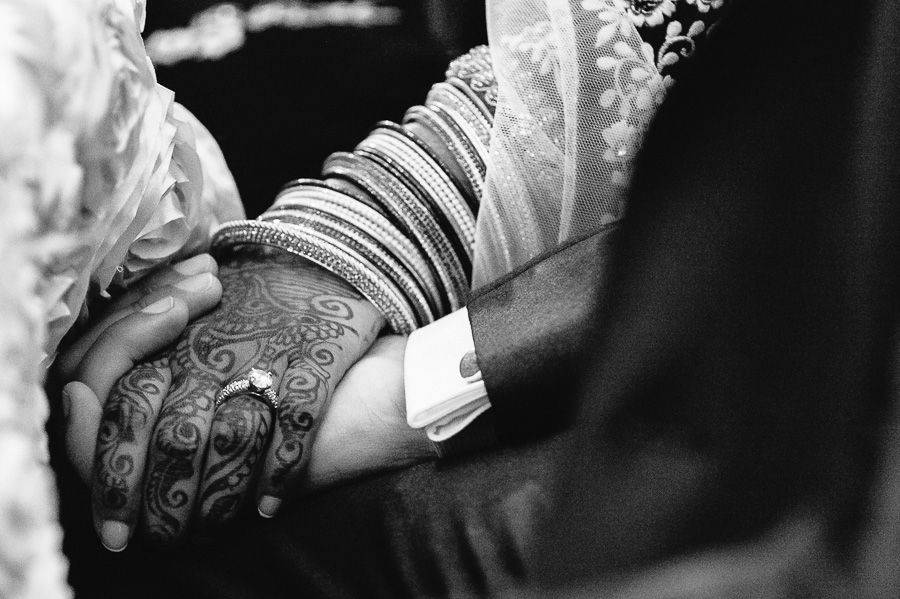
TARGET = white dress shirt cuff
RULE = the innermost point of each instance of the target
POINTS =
(444, 392)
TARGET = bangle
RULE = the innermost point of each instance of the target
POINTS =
(353, 238)
(376, 151)
(468, 159)
(320, 250)
(370, 221)
(463, 187)
(357, 196)
(452, 99)
(476, 100)
(418, 223)
(430, 181)
(476, 69)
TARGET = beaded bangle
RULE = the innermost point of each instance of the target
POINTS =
(419, 224)
(465, 155)
(476, 69)
(453, 100)
(376, 153)
(357, 196)
(464, 132)
(377, 225)
(368, 248)
(476, 100)
(379, 230)
(463, 187)
(320, 250)
(432, 180)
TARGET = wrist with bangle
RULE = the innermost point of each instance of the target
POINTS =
(395, 218)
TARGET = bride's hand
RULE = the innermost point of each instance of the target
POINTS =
(278, 313)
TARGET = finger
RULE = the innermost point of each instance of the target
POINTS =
(129, 417)
(203, 263)
(240, 433)
(83, 412)
(177, 449)
(200, 293)
(126, 343)
(304, 393)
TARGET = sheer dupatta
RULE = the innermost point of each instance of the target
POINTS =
(577, 86)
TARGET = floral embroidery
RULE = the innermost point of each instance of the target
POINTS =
(677, 45)
(647, 12)
(705, 5)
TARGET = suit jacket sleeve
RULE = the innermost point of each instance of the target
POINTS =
(532, 327)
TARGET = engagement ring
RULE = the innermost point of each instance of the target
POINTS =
(257, 383)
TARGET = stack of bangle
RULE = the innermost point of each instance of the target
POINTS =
(395, 218)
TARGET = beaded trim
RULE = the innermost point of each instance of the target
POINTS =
(477, 69)
(383, 294)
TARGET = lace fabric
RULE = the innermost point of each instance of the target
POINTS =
(577, 86)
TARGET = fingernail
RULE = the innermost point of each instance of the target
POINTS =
(114, 535)
(193, 266)
(268, 506)
(197, 283)
(66, 403)
(160, 306)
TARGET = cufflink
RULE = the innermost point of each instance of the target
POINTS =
(468, 367)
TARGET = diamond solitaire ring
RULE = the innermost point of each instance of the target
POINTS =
(257, 383)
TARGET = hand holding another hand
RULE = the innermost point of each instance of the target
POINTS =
(165, 455)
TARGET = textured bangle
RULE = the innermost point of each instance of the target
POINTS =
(464, 132)
(466, 156)
(413, 182)
(418, 223)
(431, 182)
(463, 187)
(315, 248)
(357, 196)
(476, 100)
(371, 222)
(453, 100)
(476, 69)
(347, 235)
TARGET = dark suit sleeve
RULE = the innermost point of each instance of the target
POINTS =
(531, 329)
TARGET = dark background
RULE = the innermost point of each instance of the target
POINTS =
(288, 98)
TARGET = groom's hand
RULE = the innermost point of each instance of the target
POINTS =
(364, 430)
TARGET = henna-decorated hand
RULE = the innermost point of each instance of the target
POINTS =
(278, 313)
(135, 325)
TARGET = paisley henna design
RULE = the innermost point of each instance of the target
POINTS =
(128, 418)
(240, 434)
(279, 313)
(294, 422)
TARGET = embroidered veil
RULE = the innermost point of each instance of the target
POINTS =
(578, 83)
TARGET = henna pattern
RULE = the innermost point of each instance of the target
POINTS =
(126, 413)
(271, 312)
(238, 441)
